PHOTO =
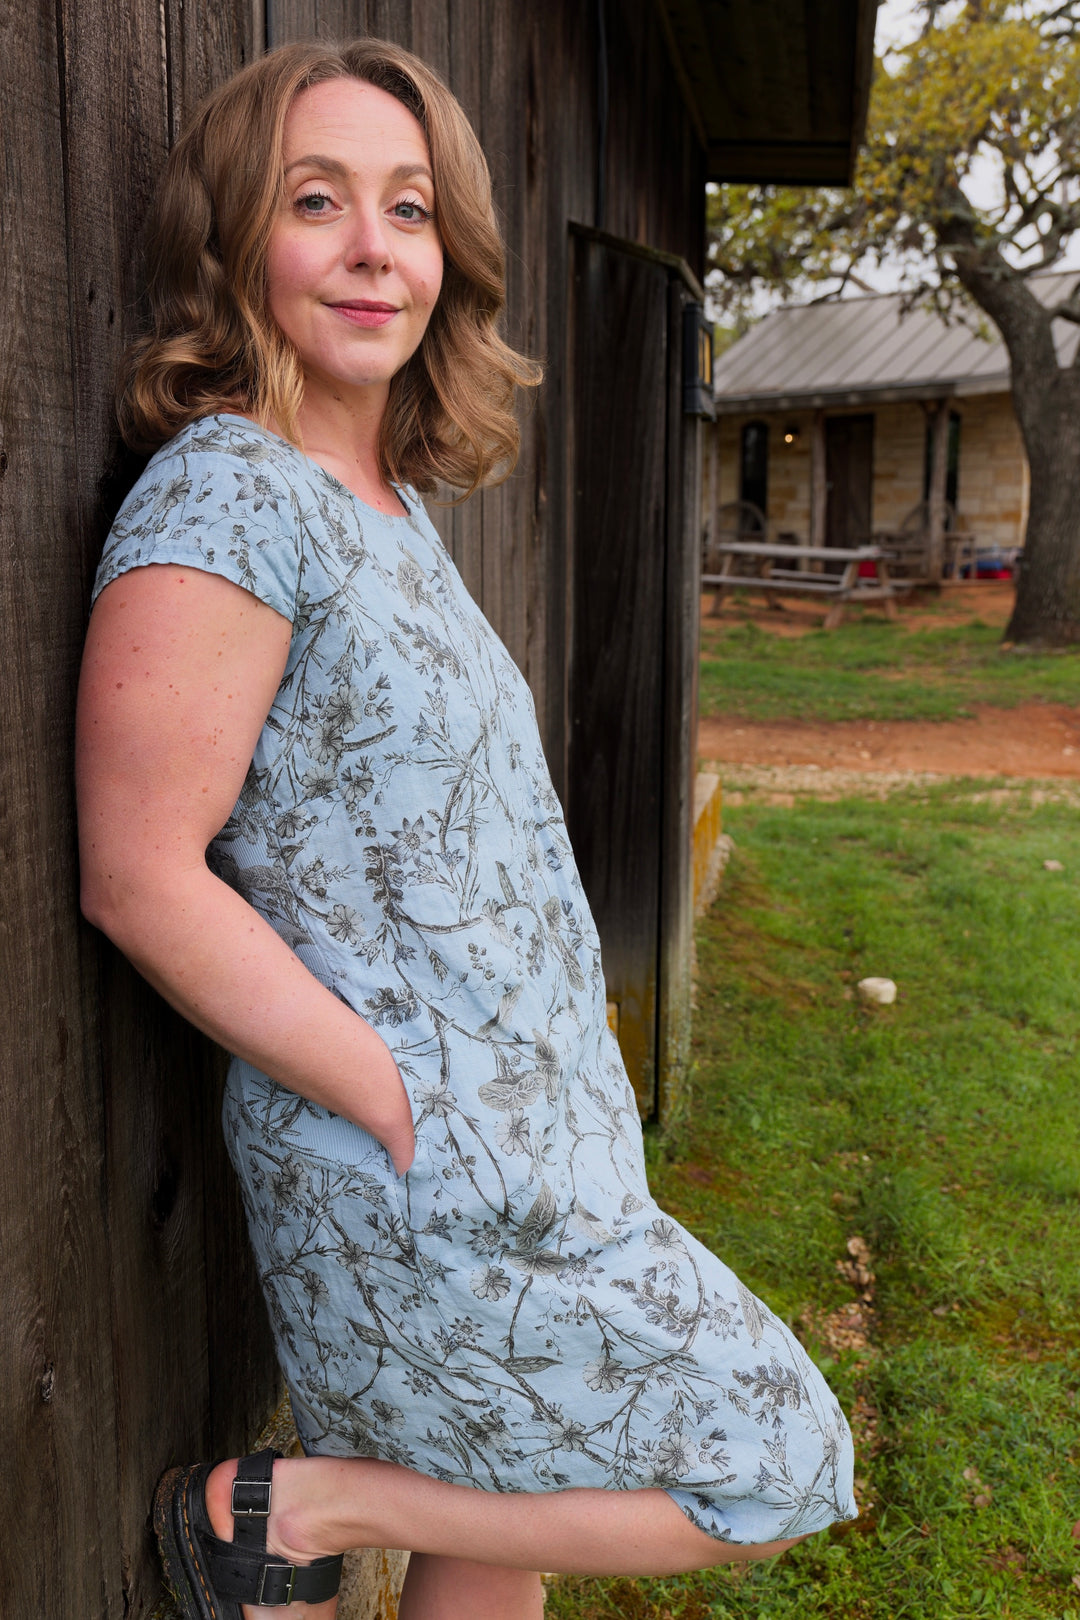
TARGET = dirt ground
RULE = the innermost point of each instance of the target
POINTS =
(989, 601)
(1033, 740)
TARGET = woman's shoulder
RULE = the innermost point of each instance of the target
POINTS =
(222, 496)
(225, 446)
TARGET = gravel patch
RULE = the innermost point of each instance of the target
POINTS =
(784, 784)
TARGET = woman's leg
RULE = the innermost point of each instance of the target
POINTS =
(328, 1504)
(456, 1589)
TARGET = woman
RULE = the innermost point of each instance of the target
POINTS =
(499, 1352)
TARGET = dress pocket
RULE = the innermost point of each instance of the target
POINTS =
(257, 1108)
(321, 1135)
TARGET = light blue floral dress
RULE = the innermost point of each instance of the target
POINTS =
(515, 1313)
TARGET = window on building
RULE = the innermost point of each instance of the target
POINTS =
(754, 469)
(952, 460)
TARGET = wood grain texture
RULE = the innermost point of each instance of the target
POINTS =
(205, 42)
(616, 783)
(146, 1085)
(682, 605)
(105, 1212)
(462, 526)
(58, 1410)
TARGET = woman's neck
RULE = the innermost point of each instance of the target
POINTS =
(342, 435)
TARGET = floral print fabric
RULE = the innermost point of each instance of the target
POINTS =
(515, 1312)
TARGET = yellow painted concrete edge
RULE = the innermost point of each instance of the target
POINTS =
(712, 846)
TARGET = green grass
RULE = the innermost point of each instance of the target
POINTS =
(945, 1132)
(874, 669)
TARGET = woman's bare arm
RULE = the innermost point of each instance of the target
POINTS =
(180, 670)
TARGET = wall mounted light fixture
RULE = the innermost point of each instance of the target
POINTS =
(698, 399)
(791, 435)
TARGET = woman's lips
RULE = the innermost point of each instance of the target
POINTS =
(363, 313)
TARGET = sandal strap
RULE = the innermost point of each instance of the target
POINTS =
(251, 1498)
(241, 1569)
(248, 1576)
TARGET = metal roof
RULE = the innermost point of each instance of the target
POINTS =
(858, 350)
(778, 91)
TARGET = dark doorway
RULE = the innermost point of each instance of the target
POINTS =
(849, 473)
(634, 545)
(754, 466)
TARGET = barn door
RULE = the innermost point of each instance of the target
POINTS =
(632, 664)
(849, 473)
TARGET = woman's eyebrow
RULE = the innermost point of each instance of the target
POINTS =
(334, 166)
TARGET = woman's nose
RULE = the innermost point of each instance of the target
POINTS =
(369, 241)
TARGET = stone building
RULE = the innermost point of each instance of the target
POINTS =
(828, 417)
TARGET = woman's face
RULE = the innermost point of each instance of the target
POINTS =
(355, 263)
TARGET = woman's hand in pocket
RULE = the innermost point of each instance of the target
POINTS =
(383, 1108)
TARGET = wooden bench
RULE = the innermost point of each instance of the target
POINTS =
(781, 570)
(908, 547)
(909, 554)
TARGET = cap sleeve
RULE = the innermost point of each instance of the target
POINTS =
(212, 499)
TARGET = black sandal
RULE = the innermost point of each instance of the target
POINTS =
(210, 1578)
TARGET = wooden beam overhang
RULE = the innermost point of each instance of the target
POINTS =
(778, 91)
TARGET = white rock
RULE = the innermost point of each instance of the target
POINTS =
(1053, 866)
(882, 992)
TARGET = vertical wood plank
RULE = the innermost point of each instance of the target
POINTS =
(59, 1417)
(196, 1208)
(177, 1247)
(529, 328)
(393, 19)
(682, 606)
(290, 20)
(430, 35)
(504, 535)
(564, 174)
(462, 526)
(620, 398)
(205, 42)
(138, 1097)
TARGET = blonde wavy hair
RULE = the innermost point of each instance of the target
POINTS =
(212, 344)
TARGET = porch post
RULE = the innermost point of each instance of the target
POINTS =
(819, 489)
(939, 469)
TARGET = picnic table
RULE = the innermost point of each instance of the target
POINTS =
(781, 569)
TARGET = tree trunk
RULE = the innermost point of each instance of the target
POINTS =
(1047, 610)
(1046, 398)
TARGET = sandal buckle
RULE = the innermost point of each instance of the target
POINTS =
(251, 1498)
(288, 1571)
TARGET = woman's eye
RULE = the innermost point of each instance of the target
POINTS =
(314, 204)
(411, 211)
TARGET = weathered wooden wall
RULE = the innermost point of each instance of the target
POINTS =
(134, 1332)
(133, 1326)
